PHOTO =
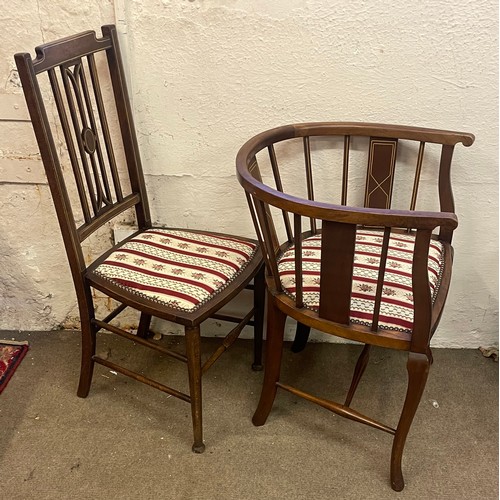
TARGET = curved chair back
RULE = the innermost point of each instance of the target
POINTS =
(348, 248)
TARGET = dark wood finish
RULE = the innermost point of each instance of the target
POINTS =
(73, 73)
(339, 224)
(380, 172)
(380, 280)
(358, 373)
(301, 337)
(337, 260)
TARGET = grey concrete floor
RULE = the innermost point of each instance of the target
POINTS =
(128, 441)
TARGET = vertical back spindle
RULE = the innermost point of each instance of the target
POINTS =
(416, 181)
(69, 142)
(345, 170)
(67, 76)
(380, 280)
(297, 228)
(309, 178)
(279, 187)
(98, 165)
(104, 126)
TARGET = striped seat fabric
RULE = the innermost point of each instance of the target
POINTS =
(396, 309)
(179, 269)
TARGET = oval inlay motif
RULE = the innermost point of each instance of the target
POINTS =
(88, 138)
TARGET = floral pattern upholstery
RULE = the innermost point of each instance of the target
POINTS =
(396, 309)
(180, 269)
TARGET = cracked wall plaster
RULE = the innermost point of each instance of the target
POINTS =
(206, 75)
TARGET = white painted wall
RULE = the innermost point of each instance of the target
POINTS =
(208, 74)
(36, 291)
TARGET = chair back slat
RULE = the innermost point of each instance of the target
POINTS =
(379, 269)
(338, 241)
(74, 82)
(70, 144)
(105, 127)
(380, 172)
(262, 213)
(72, 68)
(92, 142)
(380, 279)
(68, 49)
(309, 178)
(345, 169)
(279, 187)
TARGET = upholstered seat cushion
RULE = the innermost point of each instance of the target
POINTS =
(396, 310)
(180, 269)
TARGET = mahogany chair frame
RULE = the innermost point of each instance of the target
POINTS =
(338, 230)
(101, 196)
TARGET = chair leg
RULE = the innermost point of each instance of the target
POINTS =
(418, 369)
(144, 323)
(194, 371)
(301, 337)
(358, 372)
(88, 350)
(259, 302)
(274, 349)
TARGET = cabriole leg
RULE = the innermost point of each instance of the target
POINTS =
(418, 370)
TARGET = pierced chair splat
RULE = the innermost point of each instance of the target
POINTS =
(341, 259)
(92, 162)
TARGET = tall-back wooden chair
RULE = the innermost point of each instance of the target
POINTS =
(340, 258)
(77, 98)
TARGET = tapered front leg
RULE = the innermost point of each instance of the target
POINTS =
(418, 370)
(88, 345)
(274, 349)
(194, 370)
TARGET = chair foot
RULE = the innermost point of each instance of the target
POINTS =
(194, 372)
(257, 368)
(398, 483)
(258, 420)
(87, 363)
(86, 372)
(198, 448)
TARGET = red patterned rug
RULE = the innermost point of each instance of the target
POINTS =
(11, 354)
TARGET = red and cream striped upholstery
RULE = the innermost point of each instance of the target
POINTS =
(179, 269)
(396, 309)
